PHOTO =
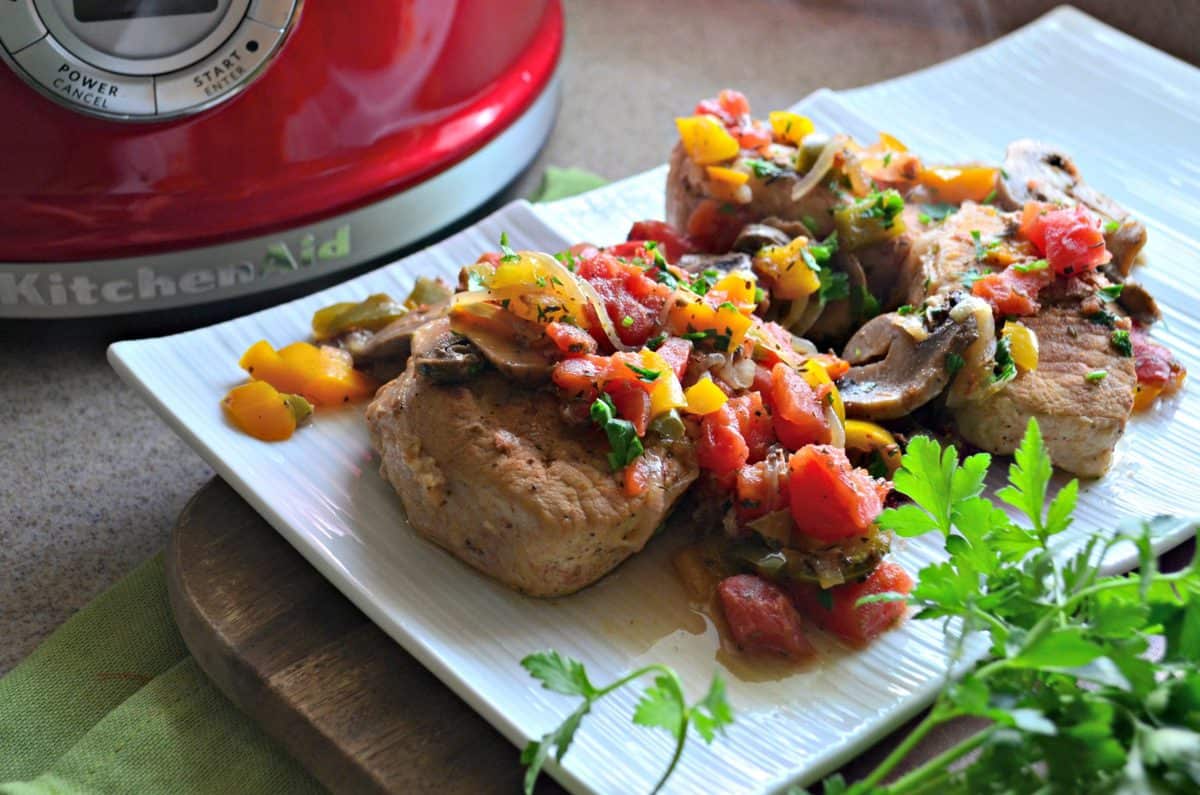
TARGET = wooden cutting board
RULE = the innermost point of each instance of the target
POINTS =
(359, 712)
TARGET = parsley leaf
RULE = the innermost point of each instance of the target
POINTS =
(1122, 342)
(1031, 267)
(1006, 368)
(508, 254)
(954, 363)
(835, 285)
(643, 373)
(622, 436)
(662, 705)
(764, 169)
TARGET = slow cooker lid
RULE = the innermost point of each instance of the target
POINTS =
(354, 107)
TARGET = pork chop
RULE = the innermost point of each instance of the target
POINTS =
(1081, 419)
(489, 470)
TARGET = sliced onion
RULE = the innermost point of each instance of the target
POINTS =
(738, 373)
(819, 169)
(827, 571)
(776, 526)
(837, 431)
(974, 381)
(585, 293)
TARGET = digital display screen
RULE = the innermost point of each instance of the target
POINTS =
(105, 10)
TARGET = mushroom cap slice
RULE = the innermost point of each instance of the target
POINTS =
(444, 356)
(892, 374)
(725, 263)
(757, 236)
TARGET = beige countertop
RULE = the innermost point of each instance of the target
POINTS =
(92, 480)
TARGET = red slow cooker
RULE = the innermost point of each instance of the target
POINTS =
(161, 153)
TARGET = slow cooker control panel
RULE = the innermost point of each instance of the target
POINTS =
(142, 59)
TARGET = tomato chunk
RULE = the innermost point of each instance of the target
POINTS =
(1154, 364)
(721, 449)
(675, 352)
(830, 499)
(633, 300)
(754, 422)
(1070, 238)
(570, 340)
(715, 225)
(673, 242)
(632, 403)
(759, 495)
(1012, 293)
(761, 617)
(799, 411)
(838, 612)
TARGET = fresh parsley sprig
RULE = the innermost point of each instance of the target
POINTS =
(1074, 701)
(662, 706)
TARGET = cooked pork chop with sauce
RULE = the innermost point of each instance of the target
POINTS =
(489, 470)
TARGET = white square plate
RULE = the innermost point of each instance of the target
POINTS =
(1131, 124)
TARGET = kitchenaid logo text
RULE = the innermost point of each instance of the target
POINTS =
(148, 284)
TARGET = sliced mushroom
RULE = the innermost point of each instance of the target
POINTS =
(838, 318)
(515, 347)
(757, 236)
(725, 263)
(892, 374)
(444, 356)
(1138, 302)
(385, 353)
(793, 229)
(1035, 171)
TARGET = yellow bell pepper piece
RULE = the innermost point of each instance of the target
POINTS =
(726, 323)
(891, 142)
(728, 176)
(815, 374)
(706, 140)
(263, 412)
(704, 397)
(790, 273)
(739, 287)
(1022, 344)
(790, 127)
(867, 437)
(667, 393)
(513, 274)
(957, 184)
(1145, 395)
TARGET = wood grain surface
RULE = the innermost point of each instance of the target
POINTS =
(346, 701)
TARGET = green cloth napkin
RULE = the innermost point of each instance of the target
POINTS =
(113, 701)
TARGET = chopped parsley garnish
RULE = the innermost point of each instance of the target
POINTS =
(1112, 226)
(664, 276)
(835, 285)
(907, 309)
(1122, 342)
(508, 254)
(656, 342)
(622, 436)
(759, 295)
(644, 374)
(655, 250)
(991, 197)
(954, 363)
(868, 305)
(982, 249)
(1112, 292)
(704, 282)
(1103, 318)
(968, 279)
(730, 305)
(1006, 368)
(540, 281)
(627, 321)
(1031, 267)
(475, 279)
(810, 223)
(887, 160)
(924, 218)
(882, 205)
(696, 336)
(764, 169)
(569, 259)
(936, 212)
(1096, 375)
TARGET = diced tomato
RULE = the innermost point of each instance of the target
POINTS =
(630, 249)
(570, 340)
(762, 380)
(1070, 238)
(581, 376)
(721, 449)
(632, 403)
(715, 225)
(799, 411)
(673, 242)
(754, 422)
(756, 495)
(491, 258)
(834, 365)
(675, 352)
(752, 135)
(1012, 293)
(634, 301)
(637, 476)
(838, 612)
(728, 106)
(761, 617)
(584, 250)
(829, 498)
(1155, 365)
